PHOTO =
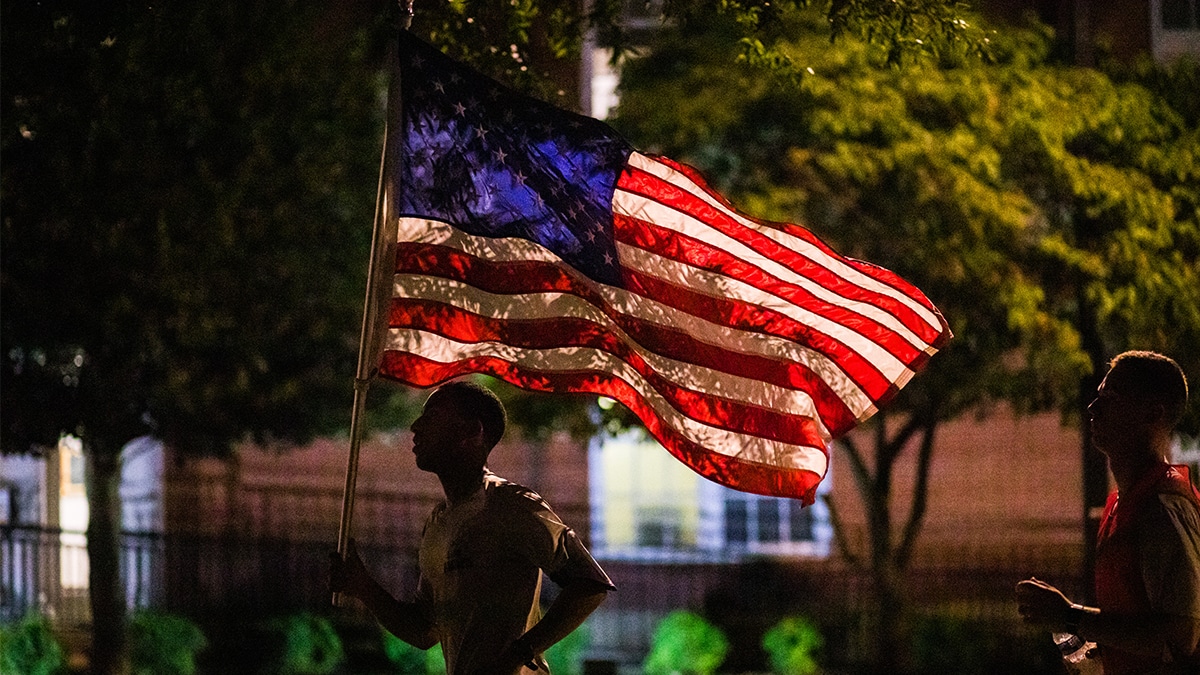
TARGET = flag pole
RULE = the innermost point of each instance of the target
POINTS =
(364, 372)
(367, 354)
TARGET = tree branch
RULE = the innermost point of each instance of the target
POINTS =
(839, 534)
(858, 467)
(916, 516)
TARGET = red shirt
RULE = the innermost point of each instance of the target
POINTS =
(1148, 558)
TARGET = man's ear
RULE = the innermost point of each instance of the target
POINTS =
(474, 433)
(1158, 415)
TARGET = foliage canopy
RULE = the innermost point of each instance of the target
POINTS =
(1016, 192)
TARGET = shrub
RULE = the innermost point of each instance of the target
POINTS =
(946, 644)
(164, 644)
(309, 646)
(410, 660)
(566, 656)
(29, 646)
(792, 645)
(685, 643)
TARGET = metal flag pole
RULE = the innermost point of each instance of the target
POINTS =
(364, 372)
(368, 338)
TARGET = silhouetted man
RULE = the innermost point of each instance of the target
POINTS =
(1148, 548)
(482, 553)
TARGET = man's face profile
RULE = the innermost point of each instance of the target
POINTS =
(1117, 413)
(441, 434)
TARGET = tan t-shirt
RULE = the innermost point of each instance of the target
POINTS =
(481, 564)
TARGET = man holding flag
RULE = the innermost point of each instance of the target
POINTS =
(482, 554)
(537, 246)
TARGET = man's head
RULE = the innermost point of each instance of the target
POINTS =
(460, 424)
(1142, 397)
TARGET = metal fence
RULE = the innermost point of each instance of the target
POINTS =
(45, 570)
(218, 577)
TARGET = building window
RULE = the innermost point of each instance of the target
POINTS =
(756, 524)
(646, 505)
(1179, 15)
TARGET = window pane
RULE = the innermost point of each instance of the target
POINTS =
(735, 522)
(800, 520)
(1177, 14)
(768, 520)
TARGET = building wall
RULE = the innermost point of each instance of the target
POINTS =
(997, 483)
(296, 493)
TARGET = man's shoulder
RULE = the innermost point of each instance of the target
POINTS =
(1179, 508)
(503, 492)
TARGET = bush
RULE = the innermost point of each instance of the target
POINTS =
(410, 660)
(945, 644)
(164, 644)
(792, 645)
(566, 656)
(685, 643)
(309, 646)
(29, 646)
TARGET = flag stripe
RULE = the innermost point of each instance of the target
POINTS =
(657, 326)
(713, 397)
(803, 242)
(853, 334)
(773, 478)
(688, 339)
(541, 367)
(514, 273)
(722, 249)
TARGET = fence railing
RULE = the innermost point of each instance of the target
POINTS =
(207, 577)
(45, 570)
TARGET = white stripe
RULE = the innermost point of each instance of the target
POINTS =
(721, 441)
(651, 211)
(534, 306)
(796, 244)
(720, 286)
(651, 311)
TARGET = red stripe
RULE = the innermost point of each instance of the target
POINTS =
(528, 276)
(687, 250)
(750, 317)
(558, 332)
(729, 471)
(515, 278)
(653, 187)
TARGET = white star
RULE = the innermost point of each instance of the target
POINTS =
(480, 132)
(608, 259)
(519, 178)
(437, 84)
(499, 153)
(460, 109)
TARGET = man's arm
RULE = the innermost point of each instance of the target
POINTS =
(1044, 605)
(575, 602)
(406, 620)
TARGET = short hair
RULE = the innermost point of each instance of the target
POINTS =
(1153, 377)
(480, 403)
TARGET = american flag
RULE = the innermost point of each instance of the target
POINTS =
(537, 246)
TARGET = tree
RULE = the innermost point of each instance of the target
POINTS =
(982, 182)
(187, 191)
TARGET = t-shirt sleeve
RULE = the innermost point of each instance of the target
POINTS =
(554, 547)
(1170, 545)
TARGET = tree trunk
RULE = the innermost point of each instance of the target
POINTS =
(104, 575)
(888, 596)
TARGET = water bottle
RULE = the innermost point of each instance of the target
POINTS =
(1074, 650)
